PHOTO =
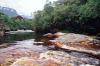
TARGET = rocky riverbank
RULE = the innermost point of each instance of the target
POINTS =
(75, 42)
(52, 50)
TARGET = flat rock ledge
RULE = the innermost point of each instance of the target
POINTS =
(73, 42)
(55, 58)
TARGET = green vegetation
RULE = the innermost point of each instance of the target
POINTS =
(80, 16)
(17, 22)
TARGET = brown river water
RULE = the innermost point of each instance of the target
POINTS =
(15, 46)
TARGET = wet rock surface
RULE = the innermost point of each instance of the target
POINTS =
(56, 58)
(25, 61)
(75, 42)
(67, 59)
(79, 40)
(27, 53)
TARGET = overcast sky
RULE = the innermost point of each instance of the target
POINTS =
(25, 7)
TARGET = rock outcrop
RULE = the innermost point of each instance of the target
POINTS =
(71, 41)
(77, 40)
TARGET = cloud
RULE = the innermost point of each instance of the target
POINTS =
(29, 6)
(25, 7)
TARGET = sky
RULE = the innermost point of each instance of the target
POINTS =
(24, 7)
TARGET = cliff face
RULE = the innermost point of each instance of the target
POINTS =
(8, 11)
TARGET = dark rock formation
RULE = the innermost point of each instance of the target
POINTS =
(18, 17)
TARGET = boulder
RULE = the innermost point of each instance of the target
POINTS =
(48, 38)
(78, 40)
(58, 34)
(49, 35)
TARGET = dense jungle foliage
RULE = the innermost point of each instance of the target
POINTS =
(15, 23)
(80, 16)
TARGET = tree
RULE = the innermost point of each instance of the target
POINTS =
(82, 16)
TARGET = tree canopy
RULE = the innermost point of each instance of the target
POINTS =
(82, 16)
(15, 24)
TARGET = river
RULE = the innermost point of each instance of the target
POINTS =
(18, 45)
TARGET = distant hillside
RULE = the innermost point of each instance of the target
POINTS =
(8, 11)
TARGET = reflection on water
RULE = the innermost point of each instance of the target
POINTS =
(17, 37)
